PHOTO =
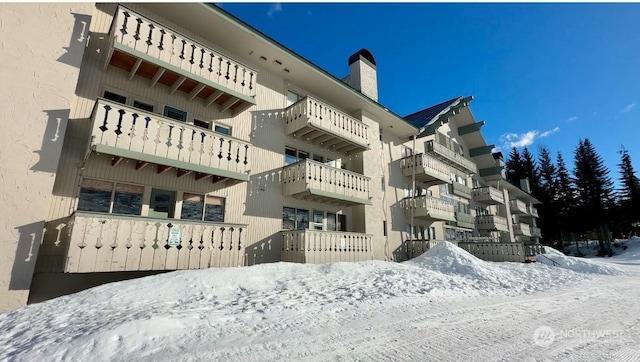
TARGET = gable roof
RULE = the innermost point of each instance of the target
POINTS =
(424, 117)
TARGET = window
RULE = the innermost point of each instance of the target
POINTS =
(318, 220)
(175, 113)
(292, 155)
(143, 106)
(115, 97)
(406, 151)
(292, 98)
(201, 124)
(223, 130)
(294, 219)
(110, 197)
(202, 207)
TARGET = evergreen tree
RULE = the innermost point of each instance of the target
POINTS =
(548, 194)
(594, 189)
(565, 197)
(629, 194)
(530, 171)
(514, 167)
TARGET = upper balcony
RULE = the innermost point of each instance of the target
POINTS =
(428, 170)
(148, 138)
(148, 49)
(487, 195)
(492, 223)
(522, 229)
(111, 243)
(452, 158)
(429, 208)
(533, 211)
(315, 181)
(465, 220)
(316, 122)
(518, 207)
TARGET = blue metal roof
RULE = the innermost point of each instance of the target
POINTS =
(424, 117)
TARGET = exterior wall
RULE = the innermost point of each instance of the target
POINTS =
(40, 71)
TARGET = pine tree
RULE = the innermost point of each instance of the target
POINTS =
(594, 189)
(565, 197)
(530, 171)
(549, 210)
(514, 167)
(629, 193)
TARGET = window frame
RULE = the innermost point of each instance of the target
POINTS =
(167, 108)
(112, 199)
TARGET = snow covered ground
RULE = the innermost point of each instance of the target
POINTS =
(445, 305)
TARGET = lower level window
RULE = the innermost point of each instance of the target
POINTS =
(294, 219)
(202, 207)
(110, 197)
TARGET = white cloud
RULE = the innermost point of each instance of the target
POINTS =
(628, 108)
(510, 140)
(571, 119)
(274, 8)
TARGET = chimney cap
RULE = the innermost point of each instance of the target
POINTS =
(362, 54)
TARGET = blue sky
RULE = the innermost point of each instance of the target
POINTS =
(540, 73)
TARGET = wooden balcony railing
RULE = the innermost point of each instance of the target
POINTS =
(518, 207)
(317, 247)
(429, 207)
(522, 229)
(312, 179)
(454, 159)
(487, 195)
(109, 243)
(429, 170)
(131, 133)
(492, 223)
(324, 125)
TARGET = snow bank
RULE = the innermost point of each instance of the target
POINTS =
(554, 257)
(161, 314)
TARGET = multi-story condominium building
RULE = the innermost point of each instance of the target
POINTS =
(156, 137)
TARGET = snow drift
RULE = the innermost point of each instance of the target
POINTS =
(162, 314)
(556, 258)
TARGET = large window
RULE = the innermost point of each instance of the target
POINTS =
(143, 106)
(174, 113)
(223, 129)
(293, 155)
(110, 197)
(115, 97)
(294, 219)
(202, 207)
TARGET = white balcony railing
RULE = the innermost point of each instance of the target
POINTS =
(465, 220)
(533, 211)
(346, 134)
(428, 169)
(317, 247)
(318, 179)
(109, 243)
(459, 189)
(492, 223)
(536, 232)
(518, 207)
(457, 160)
(521, 229)
(487, 195)
(129, 132)
(135, 34)
(429, 207)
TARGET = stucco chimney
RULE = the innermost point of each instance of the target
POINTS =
(362, 73)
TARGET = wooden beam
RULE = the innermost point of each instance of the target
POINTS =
(140, 165)
(470, 128)
(201, 175)
(213, 97)
(216, 178)
(162, 169)
(228, 104)
(182, 172)
(197, 89)
(475, 152)
(133, 71)
(115, 160)
(157, 76)
(177, 84)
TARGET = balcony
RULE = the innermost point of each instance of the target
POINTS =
(315, 181)
(518, 207)
(535, 232)
(459, 189)
(487, 195)
(522, 229)
(317, 247)
(112, 243)
(492, 223)
(316, 122)
(533, 211)
(429, 208)
(150, 50)
(429, 170)
(451, 157)
(465, 220)
(148, 138)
